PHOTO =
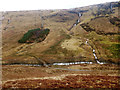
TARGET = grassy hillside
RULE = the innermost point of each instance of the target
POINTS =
(97, 23)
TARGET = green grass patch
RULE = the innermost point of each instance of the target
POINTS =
(115, 50)
(109, 43)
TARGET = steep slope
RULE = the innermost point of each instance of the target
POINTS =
(96, 25)
(101, 25)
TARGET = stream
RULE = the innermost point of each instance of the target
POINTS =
(59, 64)
(77, 22)
(94, 54)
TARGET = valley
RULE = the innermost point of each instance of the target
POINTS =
(50, 47)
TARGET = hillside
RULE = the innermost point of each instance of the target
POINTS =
(98, 24)
(68, 48)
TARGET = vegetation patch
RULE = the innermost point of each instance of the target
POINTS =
(106, 45)
(33, 35)
(115, 50)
